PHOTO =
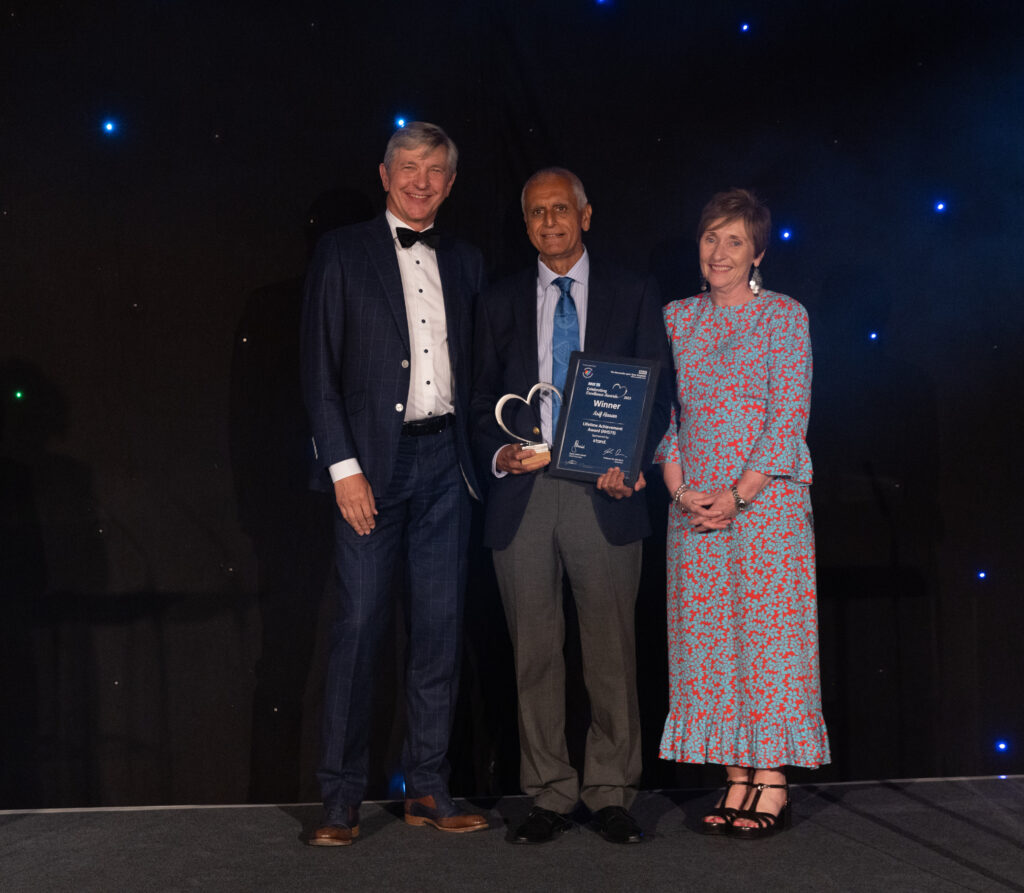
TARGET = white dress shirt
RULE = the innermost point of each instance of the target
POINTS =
(430, 371)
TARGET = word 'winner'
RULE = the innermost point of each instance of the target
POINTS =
(609, 404)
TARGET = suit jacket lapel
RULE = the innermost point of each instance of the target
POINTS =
(449, 267)
(600, 311)
(380, 245)
(524, 313)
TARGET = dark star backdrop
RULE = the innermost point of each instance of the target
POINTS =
(156, 539)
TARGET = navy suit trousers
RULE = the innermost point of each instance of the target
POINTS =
(423, 519)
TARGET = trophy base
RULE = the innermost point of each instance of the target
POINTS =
(541, 457)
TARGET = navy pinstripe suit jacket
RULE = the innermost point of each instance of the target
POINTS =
(355, 347)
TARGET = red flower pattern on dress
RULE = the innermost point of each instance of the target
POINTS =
(742, 604)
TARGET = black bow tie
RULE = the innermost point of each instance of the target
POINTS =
(408, 237)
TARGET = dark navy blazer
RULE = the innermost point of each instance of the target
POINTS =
(623, 319)
(355, 347)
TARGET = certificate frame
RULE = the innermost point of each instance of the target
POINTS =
(605, 416)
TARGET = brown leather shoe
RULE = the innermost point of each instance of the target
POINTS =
(341, 829)
(443, 814)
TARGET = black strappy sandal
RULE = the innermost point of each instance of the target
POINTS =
(767, 823)
(726, 813)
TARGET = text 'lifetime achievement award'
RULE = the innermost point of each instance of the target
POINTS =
(605, 415)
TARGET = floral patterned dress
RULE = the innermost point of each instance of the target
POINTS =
(742, 607)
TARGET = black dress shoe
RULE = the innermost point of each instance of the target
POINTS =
(541, 826)
(616, 825)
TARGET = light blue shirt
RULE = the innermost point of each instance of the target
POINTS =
(547, 298)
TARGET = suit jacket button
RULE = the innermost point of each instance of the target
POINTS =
(405, 364)
(399, 407)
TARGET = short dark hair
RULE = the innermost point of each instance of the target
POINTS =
(420, 134)
(739, 204)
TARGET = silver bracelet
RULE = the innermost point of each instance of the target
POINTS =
(741, 503)
(680, 490)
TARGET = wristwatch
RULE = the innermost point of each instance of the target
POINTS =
(741, 503)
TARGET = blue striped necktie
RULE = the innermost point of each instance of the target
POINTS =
(564, 340)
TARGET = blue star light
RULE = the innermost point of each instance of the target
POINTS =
(745, 27)
(982, 575)
(786, 235)
(110, 126)
(399, 122)
(940, 207)
(873, 336)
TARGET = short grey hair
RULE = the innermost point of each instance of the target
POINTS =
(421, 135)
(579, 193)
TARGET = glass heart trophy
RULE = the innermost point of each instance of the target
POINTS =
(602, 424)
(515, 415)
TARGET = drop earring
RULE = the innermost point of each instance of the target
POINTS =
(756, 282)
(703, 283)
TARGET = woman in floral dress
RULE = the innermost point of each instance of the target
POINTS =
(742, 609)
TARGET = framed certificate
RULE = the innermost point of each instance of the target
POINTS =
(604, 417)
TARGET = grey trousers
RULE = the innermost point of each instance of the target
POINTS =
(559, 533)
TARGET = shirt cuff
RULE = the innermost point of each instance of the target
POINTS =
(344, 469)
(494, 465)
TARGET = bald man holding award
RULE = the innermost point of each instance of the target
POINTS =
(568, 353)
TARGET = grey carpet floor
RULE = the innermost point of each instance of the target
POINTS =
(930, 835)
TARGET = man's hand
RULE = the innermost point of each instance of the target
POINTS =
(613, 482)
(355, 499)
(513, 459)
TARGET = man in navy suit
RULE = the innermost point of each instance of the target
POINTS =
(386, 330)
(540, 527)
